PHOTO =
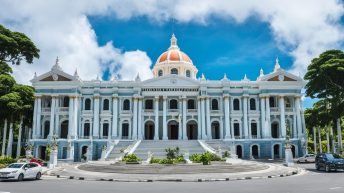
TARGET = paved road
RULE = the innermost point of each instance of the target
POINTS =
(313, 181)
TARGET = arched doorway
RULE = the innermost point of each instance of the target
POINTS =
(215, 130)
(64, 130)
(84, 152)
(149, 130)
(277, 151)
(125, 130)
(255, 151)
(274, 130)
(41, 152)
(191, 130)
(293, 150)
(173, 129)
(239, 151)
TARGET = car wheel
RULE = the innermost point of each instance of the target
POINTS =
(298, 161)
(38, 176)
(20, 177)
(317, 167)
(327, 168)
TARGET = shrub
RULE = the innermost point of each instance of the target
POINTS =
(204, 158)
(172, 153)
(154, 160)
(5, 160)
(179, 159)
(2, 166)
(131, 158)
(196, 158)
(226, 154)
(166, 161)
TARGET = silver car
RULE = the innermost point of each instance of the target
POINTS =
(306, 158)
(20, 171)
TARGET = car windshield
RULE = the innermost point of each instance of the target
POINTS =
(330, 156)
(15, 166)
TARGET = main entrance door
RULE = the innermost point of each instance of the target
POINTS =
(149, 130)
(173, 130)
(191, 130)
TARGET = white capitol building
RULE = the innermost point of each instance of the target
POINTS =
(174, 108)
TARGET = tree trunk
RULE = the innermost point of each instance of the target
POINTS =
(315, 140)
(339, 133)
(320, 142)
(328, 139)
(10, 140)
(333, 150)
(4, 139)
(19, 136)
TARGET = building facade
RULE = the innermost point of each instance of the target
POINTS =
(255, 116)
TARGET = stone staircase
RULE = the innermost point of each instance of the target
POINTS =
(216, 144)
(158, 147)
(116, 151)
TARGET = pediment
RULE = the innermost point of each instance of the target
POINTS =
(170, 81)
(54, 76)
(282, 76)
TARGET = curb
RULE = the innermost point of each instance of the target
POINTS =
(295, 172)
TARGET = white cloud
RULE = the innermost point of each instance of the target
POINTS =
(301, 28)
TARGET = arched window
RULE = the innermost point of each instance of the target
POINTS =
(149, 104)
(191, 104)
(160, 73)
(272, 102)
(236, 104)
(188, 74)
(88, 104)
(287, 103)
(106, 104)
(65, 101)
(126, 105)
(87, 129)
(236, 129)
(64, 129)
(252, 104)
(173, 104)
(46, 129)
(254, 131)
(214, 104)
(174, 71)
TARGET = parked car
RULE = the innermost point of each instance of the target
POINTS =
(37, 160)
(306, 158)
(328, 162)
(20, 171)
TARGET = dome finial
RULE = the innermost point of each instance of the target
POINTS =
(56, 65)
(173, 42)
(277, 65)
(261, 72)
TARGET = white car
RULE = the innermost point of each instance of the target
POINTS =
(306, 158)
(20, 171)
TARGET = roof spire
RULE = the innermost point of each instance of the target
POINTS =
(225, 77)
(277, 65)
(173, 42)
(35, 76)
(138, 79)
(261, 72)
(56, 65)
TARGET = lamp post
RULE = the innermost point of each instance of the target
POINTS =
(288, 153)
(53, 153)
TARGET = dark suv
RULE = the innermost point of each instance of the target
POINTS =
(328, 162)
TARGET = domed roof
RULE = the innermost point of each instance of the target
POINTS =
(173, 54)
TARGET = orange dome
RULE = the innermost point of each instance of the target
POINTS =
(174, 55)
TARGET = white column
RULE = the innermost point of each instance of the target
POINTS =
(227, 124)
(294, 124)
(4, 139)
(267, 118)
(282, 116)
(199, 118)
(135, 119)
(298, 116)
(96, 117)
(207, 107)
(52, 116)
(320, 143)
(70, 117)
(339, 134)
(185, 136)
(114, 117)
(245, 98)
(19, 136)
(262, 117)
(34, 119)
(156, 121)
(38, 118)
(315, 140)
(204, 136)
(164, 123)
(75, 118)
(180, 119)
(139, 119)
(10, 141)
